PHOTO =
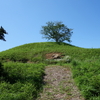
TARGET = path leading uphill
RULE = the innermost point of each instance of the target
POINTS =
(59, 85)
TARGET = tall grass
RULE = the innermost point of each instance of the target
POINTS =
(21, 81)
(87, 78)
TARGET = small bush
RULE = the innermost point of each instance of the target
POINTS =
(36, 59)
(75, 62)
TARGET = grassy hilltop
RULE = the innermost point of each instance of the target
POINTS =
(22, 69)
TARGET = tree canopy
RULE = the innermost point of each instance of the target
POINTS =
(2, 32)
(56, 31)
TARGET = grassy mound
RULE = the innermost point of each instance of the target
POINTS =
(35, 52)
(22, 70)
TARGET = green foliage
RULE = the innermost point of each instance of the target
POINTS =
(17, 91)
(3, 73)
(23, 81)
(87, 77)
(22, 66)
(56, 31)
(35, 52)
(2, 32)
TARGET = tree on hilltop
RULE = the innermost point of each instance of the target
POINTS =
(56, 31)
(2, 32)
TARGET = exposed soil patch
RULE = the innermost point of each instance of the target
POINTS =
(59, 85)
(54, 55)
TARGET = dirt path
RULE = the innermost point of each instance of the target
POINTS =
(59, 85)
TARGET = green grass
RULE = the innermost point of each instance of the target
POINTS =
(22, 81)
(87, 77)
(36, 52)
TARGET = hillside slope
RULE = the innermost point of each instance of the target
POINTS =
(84, 64)
(37, 51)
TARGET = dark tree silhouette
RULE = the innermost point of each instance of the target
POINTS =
(56, 31)
(2, 32)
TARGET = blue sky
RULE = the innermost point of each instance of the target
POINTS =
(22, 19)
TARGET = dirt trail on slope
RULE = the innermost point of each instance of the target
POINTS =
(59, 85)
